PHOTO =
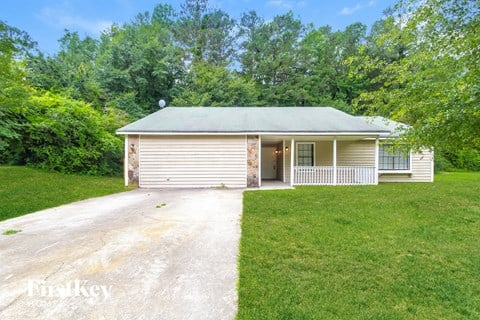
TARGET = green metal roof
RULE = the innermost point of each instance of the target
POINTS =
(251, 119)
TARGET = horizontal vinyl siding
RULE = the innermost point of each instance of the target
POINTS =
(192, 161)
(324, 153)
(349, 153)
(421, 170)
(356, 153)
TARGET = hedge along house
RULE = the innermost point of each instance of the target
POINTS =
(191, 147)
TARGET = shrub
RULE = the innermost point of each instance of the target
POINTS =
(468, 159)
(465, 159)
(69, 136)
(441, 163)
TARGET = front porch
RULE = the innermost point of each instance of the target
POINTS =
(319, 160)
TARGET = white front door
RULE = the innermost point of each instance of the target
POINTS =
(269, 163)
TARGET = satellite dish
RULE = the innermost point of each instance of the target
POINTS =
(162, 103)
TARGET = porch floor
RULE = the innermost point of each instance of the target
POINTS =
(273, 185)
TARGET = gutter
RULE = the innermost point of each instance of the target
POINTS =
(293, 133)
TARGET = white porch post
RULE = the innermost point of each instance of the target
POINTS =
(292, 162)
(259, 161)
(334, 160)
(376, 161)
(125, 163)
(283, 161)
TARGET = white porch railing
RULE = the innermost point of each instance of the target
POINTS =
(323, 175)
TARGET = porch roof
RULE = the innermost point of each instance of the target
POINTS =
(238, 120)
(394, 128)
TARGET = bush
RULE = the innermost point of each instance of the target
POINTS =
(468, 159)
(442, 164)
(69, 136)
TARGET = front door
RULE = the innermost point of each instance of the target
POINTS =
(269, 163)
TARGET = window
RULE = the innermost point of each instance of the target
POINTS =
(305, 154)
(392, 159)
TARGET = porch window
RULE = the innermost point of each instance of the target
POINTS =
(392, 159)
(305, 154)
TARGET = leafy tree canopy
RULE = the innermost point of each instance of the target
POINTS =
(434, 85)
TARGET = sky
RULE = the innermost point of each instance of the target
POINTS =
(46, 20)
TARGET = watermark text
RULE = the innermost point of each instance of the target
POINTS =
(75, 288)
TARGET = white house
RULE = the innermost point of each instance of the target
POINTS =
(191, 147)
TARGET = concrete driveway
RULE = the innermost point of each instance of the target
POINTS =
(143, 254)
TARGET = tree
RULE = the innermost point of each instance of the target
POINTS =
(71, 70)
(250, 28)
(319, 59)
(208, 85)
(165, 15)
(220, 38)
(137, 65)
(189, 31)
(206, 35)
(385, 41)
(434, 86)
(14, 91)
(350, 39)
(323, 72)
(270, 57)
(383, 46)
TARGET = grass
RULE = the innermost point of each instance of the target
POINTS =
(25, 190)
(393, 251)
(10, 232)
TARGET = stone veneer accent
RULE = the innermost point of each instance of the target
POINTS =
(133, 172)
(252, 161)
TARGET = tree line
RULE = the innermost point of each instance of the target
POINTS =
(418, 65)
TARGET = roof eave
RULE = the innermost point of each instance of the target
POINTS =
(375, 133)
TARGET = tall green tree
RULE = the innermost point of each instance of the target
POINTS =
(209, 85)
(250, 32)
(14, 90)
(434, 87)
(384, 45)
(165, 15)
(137, 65)
(71, 70)
(270, 57)
(206, 35)
(351, 40)
(321, 64)
(221, 37)
(189, 30)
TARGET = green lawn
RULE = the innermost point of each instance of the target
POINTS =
(24, 190)
(393, 251)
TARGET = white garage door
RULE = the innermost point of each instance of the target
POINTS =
(193, 161)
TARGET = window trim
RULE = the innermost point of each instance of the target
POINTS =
(395, 171)
(314, 152)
